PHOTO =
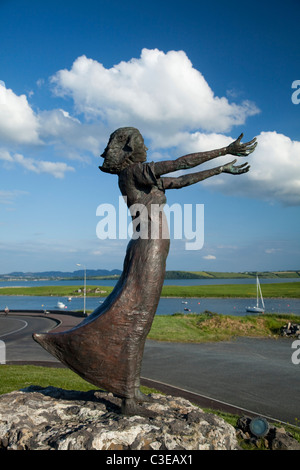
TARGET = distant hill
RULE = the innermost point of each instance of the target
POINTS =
(230, 275)
(90, 273)
(115, 273)
(253, 274)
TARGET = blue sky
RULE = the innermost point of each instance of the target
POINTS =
(191, 76)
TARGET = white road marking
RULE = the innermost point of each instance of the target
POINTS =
(16, 331)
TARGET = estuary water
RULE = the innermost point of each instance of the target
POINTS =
(167, 282)
(167, 306)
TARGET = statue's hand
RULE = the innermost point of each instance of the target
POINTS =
(241, 150)
(235, 170)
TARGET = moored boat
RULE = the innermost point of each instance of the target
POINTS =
(256, 308)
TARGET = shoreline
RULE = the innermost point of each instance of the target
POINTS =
(162, 297)
(283, 290)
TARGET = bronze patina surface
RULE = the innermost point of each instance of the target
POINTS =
(106, 348)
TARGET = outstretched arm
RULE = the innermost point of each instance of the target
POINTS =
(195, 159)
(192, 178)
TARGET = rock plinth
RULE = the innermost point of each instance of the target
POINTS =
(50, 418)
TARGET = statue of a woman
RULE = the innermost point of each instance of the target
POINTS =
(106, 348)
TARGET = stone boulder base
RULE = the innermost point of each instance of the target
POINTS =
(55, 419)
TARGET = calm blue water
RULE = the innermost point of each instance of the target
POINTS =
(165, 307)
(168, 282)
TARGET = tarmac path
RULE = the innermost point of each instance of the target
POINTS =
(250, 374)
(245, 376)
(16, 332)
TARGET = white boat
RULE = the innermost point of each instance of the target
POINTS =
(257, 308)
(61, 305)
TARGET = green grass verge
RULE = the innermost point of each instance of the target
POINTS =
(14, 377)
(57, 291)
(207, 326)
(285, 289)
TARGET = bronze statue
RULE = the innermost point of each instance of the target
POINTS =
(106, 348)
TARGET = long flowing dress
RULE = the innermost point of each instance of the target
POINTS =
(106, 348)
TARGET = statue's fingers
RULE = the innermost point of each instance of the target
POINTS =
(247, 150)
(242, 166)
(240, 169)
(252, 147)
(251, 141)
(245, 170)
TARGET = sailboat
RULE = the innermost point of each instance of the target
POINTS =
(257, 308)
(61, 305)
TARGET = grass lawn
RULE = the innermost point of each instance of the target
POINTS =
(57, 291)
(207, 326)
(284, 289)
(14, 377)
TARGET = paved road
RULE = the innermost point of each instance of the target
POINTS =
(16, 332)
(252, 374)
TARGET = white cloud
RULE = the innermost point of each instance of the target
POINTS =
(228, 247)
(8, 197)
(56, 169)
(169, 101)
(274, 174)
(18, 122)
(40, 82)
(272, 250)
(189, 142)
(59, 128)
(209, 257)
(158, 91)
(5, 156)
(37, 247)
(20, 126)
(97, 252)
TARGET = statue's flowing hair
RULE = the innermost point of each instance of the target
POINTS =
(125, 146)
